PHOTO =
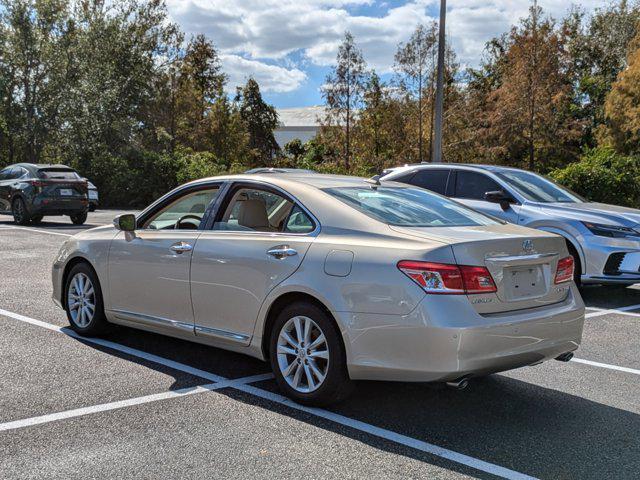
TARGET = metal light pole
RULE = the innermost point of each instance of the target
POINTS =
(437, 133)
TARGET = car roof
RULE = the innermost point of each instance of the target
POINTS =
(279, 170)
(470, 166)
(41, 166)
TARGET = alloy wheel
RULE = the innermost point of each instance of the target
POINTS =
(81, 300)
(303, 354)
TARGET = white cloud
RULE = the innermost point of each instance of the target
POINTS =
(261, 38)
(271, 78)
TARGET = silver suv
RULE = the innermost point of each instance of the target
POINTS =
(604, 239)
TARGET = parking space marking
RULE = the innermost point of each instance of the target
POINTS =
(104, 407)
(118, 347)
(388, 435)
(612, 310)
(616, 312)
(379, 432)
(606, 365)
(38, 231)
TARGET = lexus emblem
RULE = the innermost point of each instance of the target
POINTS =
(527, 246)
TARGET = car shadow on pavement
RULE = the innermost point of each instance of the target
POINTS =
(522, 426)
(610, 296)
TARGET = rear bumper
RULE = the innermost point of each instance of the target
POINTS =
(445, 339)
(54, 206)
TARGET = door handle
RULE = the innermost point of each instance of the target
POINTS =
(181, 247)
(282, 251)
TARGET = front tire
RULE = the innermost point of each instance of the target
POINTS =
(19, 211)
(307, 356)
(79, 218)
(83, 301)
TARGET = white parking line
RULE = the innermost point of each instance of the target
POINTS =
(615, 312)
(37, 230)
(612, 310)
(389, 435)
(104, 407)
(606, 365)
(118, 347)
(325, 414)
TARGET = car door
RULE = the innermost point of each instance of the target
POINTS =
(5, 189)
(258, 239)
(149, 268)
(469, 187)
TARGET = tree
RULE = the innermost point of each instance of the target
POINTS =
(622, 106)
(260, 120)
(201, 95)
(414, 62)
(597, 48)
(528, 109)
(35, 69)
(343, 89)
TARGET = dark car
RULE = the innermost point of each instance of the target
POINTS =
(29, 192)
(93, 196)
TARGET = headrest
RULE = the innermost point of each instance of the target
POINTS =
(253, 214)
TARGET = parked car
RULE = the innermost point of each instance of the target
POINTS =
(29, 192)
(93, 196)
(603, 239)
(331, 279)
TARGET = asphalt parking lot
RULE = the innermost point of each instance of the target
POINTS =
(140, 405)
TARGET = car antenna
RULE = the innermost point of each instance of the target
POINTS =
(374, 181)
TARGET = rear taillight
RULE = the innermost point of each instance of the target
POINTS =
(36, 183)
(450, 279)
(564, 273)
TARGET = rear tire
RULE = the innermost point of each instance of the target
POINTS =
(79, 218)
(314, 373)
(83, 302)
(37, 219)
(19, 211)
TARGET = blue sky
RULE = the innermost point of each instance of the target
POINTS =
(289, 45)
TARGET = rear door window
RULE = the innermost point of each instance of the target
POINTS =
(258, 210)
(431, 179)
(473, 185)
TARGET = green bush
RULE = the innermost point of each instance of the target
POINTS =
(192, 166)
(602, 175)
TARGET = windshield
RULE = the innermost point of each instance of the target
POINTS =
(538, 188)
(409, 207)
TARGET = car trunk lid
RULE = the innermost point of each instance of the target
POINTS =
(522, 262)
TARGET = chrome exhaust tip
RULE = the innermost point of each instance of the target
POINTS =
(565, 357)
(459, 384)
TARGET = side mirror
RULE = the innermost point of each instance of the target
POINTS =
(499, 196)
(125, 222)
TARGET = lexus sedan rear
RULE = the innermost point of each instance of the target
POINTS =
(331, 279)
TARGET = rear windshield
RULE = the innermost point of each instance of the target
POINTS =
(58, 173)
(409, 207)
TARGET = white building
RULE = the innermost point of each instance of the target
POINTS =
(302, 123)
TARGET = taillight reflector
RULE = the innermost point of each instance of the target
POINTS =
(443, 278)
(564, 273)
